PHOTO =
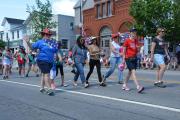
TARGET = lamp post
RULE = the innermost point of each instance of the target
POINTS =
(8, 42)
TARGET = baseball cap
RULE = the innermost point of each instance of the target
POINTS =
(133, 30)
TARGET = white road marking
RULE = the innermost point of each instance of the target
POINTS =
(105, 97)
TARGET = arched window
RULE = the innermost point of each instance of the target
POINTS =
(105, 37)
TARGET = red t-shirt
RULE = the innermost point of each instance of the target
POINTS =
(131, 48)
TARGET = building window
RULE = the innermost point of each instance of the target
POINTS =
(109, 9)
(106, 43)
(18, 34)
(104, 10)
(71, 25)
(98, 11)
(13, 35)
(64, 44)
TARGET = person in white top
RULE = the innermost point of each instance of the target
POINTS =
(115, 59)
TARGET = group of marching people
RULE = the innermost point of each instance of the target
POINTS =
(120, 56)
(20, 57)
(49, 59)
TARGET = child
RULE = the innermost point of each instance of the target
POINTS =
(53, 74)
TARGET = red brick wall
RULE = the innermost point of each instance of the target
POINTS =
(115, 22)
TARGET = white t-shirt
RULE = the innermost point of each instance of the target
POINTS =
(117, 48)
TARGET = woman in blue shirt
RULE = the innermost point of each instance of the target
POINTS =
(79, 55)
(47, 49)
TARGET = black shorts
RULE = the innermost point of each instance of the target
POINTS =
(44, 66)
(131, 63)
(60, 67)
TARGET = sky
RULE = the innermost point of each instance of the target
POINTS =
(17, 8)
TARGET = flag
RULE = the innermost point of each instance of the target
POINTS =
(124, 36)
(84, 35)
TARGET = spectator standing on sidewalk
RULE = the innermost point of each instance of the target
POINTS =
(178, 55)
(6, 60)
(158, 51)
(131, 48)
(94, 52)
(115, 59)
(47, 48)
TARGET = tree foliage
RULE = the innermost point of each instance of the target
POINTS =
(150, 14)
(2, 44)
(41, 17)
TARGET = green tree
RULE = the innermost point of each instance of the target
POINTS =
(176, 27)
(41, 17)
(2, 44)
(150, 14)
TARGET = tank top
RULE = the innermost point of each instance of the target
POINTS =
(117, 48)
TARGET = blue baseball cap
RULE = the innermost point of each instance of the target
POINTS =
(133, 30)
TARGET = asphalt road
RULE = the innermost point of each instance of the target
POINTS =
(20, 99)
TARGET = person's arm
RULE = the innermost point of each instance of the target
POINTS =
(124, 54)
(152, 50)
(121, 52)
(125, 45)
(86, 58)
(166, 52)
(74, 50)
(28, 42)
(59, 56)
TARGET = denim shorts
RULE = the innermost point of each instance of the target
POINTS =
(159, 59)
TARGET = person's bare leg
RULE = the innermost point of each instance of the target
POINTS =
(161, 71)
(127, 77)
(47, 81)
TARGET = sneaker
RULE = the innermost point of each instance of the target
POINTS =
(120, 82)
(103, 84)
(37, 75)
(86, 85)
(73, 71)
(4, 77)
(75, 83)
(124, 87)
(42, 90)
(159, 84)
(64, 85)
(140, 89)
(50, 92)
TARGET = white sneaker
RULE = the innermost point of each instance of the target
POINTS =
(86, 85)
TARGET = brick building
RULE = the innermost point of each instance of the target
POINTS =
(107, 17)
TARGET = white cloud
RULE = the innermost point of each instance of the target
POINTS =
(64, 7)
